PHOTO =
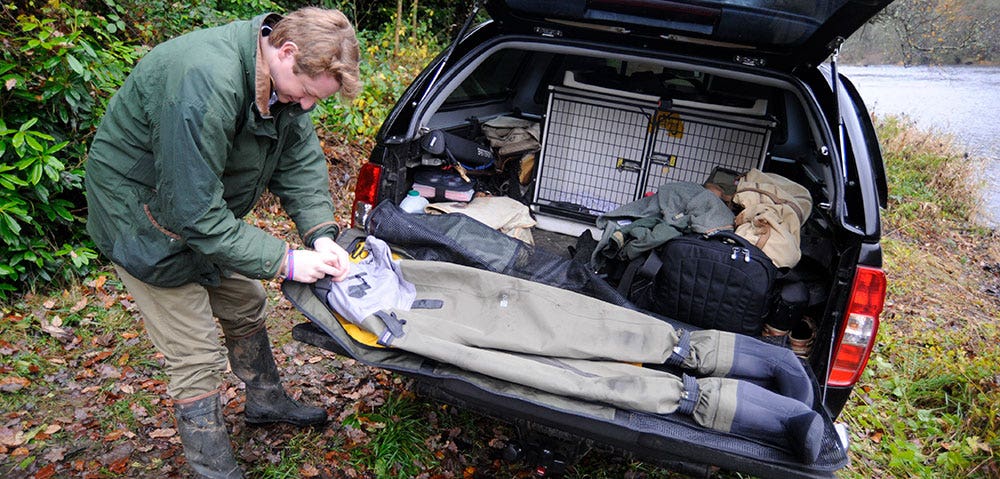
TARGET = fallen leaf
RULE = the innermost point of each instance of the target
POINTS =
(49, 304)
(365, 390)
(99, 282)
(977, 445)
(55, 454)
(47, 472)
(163, 432)
(79, 305)
(10, 437)
(98, 357)
(309, 470)
(54, 330)
(52, 429)
(120, 466)
(11, 384)
(117, 459)
(10, 83)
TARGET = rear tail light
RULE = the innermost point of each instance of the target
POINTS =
(365, 193)
(860, 327)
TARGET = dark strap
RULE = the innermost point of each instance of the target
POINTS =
(393, 327)
(427, 304)
(681, 349)
(689, 396)
(645, 268)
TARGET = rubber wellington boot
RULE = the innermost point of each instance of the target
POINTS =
(729, 355)
(206, 442)
(267, 402)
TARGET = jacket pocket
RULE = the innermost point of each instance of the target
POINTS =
(158, 256)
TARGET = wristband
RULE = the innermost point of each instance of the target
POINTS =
(290, 265)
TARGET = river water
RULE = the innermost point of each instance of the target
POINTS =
(963, 101)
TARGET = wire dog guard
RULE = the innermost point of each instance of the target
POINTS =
(592, 154)
(687, 145)
(600, 152)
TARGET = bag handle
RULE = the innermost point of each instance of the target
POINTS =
(643, 267)
(729, 236)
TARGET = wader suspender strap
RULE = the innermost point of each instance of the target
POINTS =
(689, 397)
(393, 327)
(427, 304)
(681, 349)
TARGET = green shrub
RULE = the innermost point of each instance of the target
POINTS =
(59, 66)
(154, 21)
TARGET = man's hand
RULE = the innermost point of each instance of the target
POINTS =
(326, 245)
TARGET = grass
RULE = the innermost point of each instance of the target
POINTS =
(397, 432)
(929, 402)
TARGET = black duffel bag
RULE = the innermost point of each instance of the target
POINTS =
(714, 281)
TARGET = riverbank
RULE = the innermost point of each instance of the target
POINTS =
(929, 403)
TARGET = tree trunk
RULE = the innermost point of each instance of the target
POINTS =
(413, 21)
(399, 26)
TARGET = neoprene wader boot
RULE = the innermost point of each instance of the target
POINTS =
(205, 439)
(764, 415)
(748, 410)
(723, 354)
(251, 359)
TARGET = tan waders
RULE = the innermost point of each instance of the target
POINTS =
(573, 345)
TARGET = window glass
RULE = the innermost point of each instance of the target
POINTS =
(493, 79)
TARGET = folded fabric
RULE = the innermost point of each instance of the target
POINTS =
(374, 283)
(501, 213)
(774, 209)
(642, 225)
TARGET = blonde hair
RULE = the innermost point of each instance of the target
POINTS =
(326, 44)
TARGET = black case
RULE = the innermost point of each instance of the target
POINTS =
(717, 281)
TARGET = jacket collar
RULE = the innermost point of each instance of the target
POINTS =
(262, 75)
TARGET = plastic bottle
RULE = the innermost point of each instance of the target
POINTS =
(413, 202)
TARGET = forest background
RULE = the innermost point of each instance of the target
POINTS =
(69, 329)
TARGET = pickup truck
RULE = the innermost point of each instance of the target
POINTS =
(623, 96)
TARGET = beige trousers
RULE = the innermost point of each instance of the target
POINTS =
(180, 322)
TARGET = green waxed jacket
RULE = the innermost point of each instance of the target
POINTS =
(184, 152)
